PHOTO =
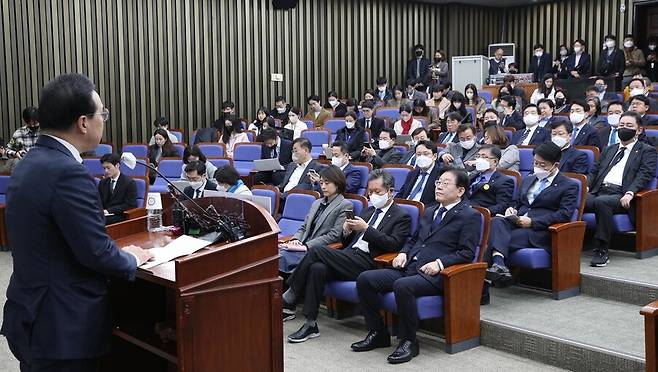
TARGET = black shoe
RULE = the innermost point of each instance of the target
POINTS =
(499, 275)
(304, 333)
(374, 340)
(405, 351)
(600, 258)
(485, 299)
(288, 311)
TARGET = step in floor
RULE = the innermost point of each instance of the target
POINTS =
(578, 333)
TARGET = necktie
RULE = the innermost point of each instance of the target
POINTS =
(112, 185)
(419, 186)
(198, 193)
(475, 185)
(574, 135)
(274, 154)
(367, 123)
(613, 137)
(412, 161)
(372, 221)
(542, 185)
(439, 217)
(617, 159)
(524, 136)
(417, 68)
(448, 138)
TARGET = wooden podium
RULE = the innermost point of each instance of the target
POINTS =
(215, 310)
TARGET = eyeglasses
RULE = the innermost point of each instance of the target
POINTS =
(478, 156)
(444, 183)
(105, 114)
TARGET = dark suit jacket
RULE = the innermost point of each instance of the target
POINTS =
(454, 241)
(496, 68)
(285, 154)
(544, 67)
(555, 119)
(583, 67)
(390, 234)
(443, 135)
(587, 136)
(206, 135)
(515, 120)
(304, 182)
(427, 197)
(123, 198)
(554, 204)
(353, 178)
(388, 94)
(407, 156)
(339, 111)
(540, 136)
(424, 69)
(388, 156)
(495, 195)
(648, 120)
(615, 64)
(57, 305)
(189, 191)
(574, 160)
(357, 136)
(376, 126)
(640, 168)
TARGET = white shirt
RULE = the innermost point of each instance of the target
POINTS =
(296, 176)
(297, 128)
(70, 147)
(448, 208)
(535, 187)
(616, 173)
(527, 139)
(198, 193)
(577, 129)
(114, 181)
(420, 177)
(362, 244)
(578, 55)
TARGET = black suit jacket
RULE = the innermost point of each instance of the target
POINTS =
(496, 68)
(443, 135)
(640, 168)
(587, 136)
(427, 197)
(407, 156)
(544, 67)
(285, 154)
(555, 204)
(57, 305)
(304, 182)
(539, 136)
(376, 127)
(388, 156)
(495, 195)
(206, 135)
(189, 191)
(615, 64)
(357, 136)
(424, 69)
(515, 120)
(574, 161)
(582, 68)
(123, 198)
(453, 241)
(390, 234)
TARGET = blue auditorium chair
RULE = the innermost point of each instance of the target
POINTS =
(392, 113)
(244, 155)
(298, 203)
(364, 170)
(268, 192)
(170, 168)
(94, 166)
(102, 149)
(526, 160)
(140, 150)
(212, 149)
(399, 173)
(318, 137)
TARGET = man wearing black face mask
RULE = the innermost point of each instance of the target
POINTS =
(622, 171)
(25, 137)
(418, 67)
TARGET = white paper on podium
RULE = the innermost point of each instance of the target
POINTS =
(181, 246)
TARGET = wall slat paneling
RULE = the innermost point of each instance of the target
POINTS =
(182, 58)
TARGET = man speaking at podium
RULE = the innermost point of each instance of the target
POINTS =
(56, 317)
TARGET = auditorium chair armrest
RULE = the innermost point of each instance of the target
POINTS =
(336, 245)
(650, 309)
(462, 290)
(133, 213)
(646, 237)
(385, 259)
(566, 247)
(566, 226)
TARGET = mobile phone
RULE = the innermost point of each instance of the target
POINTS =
(312, 171)
(367, 144)
(349, 215)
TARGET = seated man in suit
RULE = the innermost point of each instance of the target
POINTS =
(497, 64)
(316, 112)
(383, 92)
(573, 160)
(281, 109)
(195, 172)
(381, 228)
(419, 184)
(489, 188)
(118, 192)
(608, 135)
(411, 93)
(409, 157)
(352, 135)
(387, 154)
(638, 88)
(453, 121)
(274, 147)
(622, 171)
(532, 134)
(546, 197)
(369, 121)
(340, 157)
(584, 134)
(642, 104)
(297, 171)
(462, 154)
(602, 93)
(546, 118)
(511, 117)
(447, 235)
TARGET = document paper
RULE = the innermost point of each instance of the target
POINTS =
(181, 246)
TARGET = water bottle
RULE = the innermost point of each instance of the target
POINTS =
(154, 220)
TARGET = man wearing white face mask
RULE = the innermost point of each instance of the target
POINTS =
(584, 134)
(638, 87)
(462, 154)
(419, 184)
(196, 173)
(608, 136)
(383, 93)
(340, 157)
(573, 160)
(533, 134)
(541, 63)
(387, 154)
(489, 188)
(281, 109)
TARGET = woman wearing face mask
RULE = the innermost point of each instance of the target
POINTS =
(651, 54)
(546, 89)
(407, 123)
(354, 136)
(578, 64)
(458, 104)
(228, 180)
(561, 102)
(334, 104)
(398, 97)
(439, 68)
(559, 65)
(263, 120)
(421, 109)
(503, 91)
(475, 101)
(232, 134)
(295, 126)
(510, 157)
(192, 154)
(162, 148)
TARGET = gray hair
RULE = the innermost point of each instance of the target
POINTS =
(387, 179)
